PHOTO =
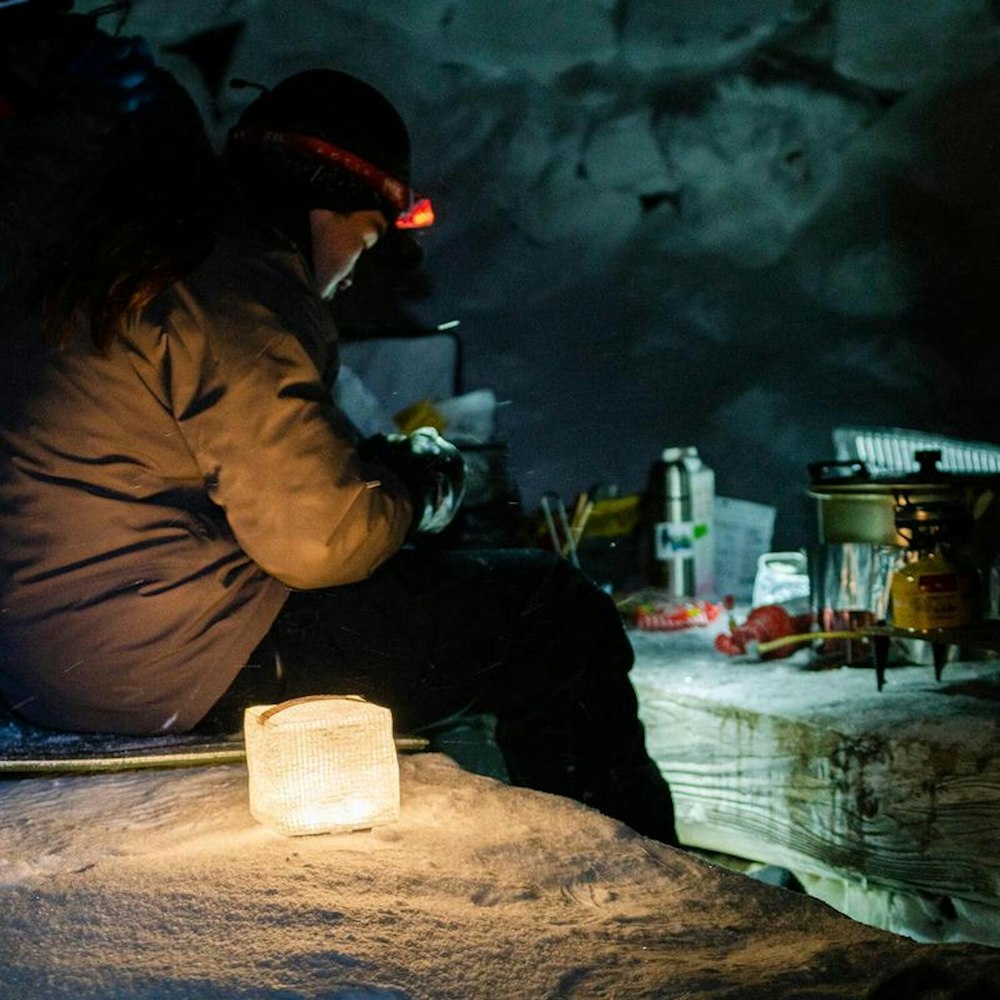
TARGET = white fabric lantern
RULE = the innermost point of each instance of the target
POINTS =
(321, 764)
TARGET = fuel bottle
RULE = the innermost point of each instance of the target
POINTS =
(932, 587)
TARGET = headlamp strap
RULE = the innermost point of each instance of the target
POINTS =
(398, 194)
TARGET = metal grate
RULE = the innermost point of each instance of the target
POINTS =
(890, 450)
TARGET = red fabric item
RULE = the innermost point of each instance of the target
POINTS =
(769, 621)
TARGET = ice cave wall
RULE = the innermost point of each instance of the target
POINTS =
(730, 224)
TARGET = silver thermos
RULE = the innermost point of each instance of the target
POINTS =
(683, 541)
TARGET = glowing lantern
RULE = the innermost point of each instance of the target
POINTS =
(321, 764)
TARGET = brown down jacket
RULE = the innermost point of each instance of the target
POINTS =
(156, 504)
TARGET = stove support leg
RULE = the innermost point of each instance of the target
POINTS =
(940, 658)
(880, 652)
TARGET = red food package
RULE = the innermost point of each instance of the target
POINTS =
(662, 617)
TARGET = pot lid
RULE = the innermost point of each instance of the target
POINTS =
(852, 478)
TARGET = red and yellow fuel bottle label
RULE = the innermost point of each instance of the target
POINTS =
(929, 595)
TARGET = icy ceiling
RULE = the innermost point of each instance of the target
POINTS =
(730, 224)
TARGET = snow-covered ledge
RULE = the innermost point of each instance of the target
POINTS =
(885, 805)
(160, 884)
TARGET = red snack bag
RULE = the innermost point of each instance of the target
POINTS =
(663, 617)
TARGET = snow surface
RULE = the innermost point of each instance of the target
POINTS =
(160, 884)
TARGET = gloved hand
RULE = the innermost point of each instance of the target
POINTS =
(432, 469)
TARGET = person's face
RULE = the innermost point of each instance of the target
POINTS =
(337, 243)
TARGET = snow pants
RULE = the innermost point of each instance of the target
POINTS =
(519, 636)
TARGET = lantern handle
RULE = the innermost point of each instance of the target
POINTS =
(275, 709)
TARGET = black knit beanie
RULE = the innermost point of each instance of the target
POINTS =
(335, 108)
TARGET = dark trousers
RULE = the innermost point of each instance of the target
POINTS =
(516, 635)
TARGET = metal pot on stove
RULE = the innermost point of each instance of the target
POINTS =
(854, 506)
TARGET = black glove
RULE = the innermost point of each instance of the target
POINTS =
(431, 468)
(123, 68)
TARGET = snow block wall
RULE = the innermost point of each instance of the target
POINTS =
(731, 224)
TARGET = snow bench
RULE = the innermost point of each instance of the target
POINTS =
(884, 804)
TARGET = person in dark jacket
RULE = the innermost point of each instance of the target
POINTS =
(188, 526)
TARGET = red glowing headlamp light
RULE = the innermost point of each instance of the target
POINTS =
(415, 211)
(419, 215)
